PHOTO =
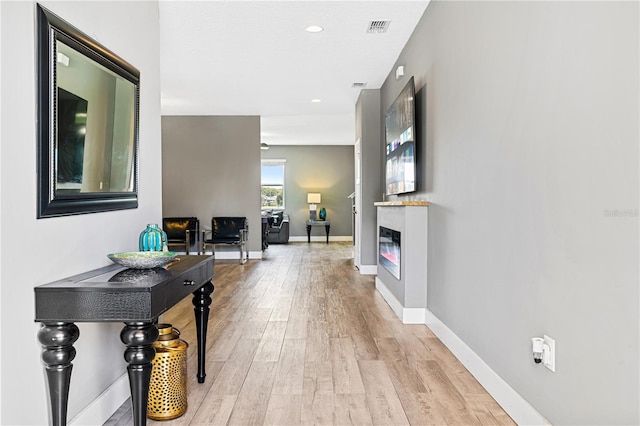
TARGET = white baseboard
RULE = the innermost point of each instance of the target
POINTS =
(368, 269)
(235, 254)
(321, 238)
(254, 255)
(406, 315)
(103, 407)
(515, 405)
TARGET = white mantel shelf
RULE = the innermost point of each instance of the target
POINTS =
(400, 203)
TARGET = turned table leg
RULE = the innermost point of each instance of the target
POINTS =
(327, 227)
(139, 338)
(201, 302)
(57, 339)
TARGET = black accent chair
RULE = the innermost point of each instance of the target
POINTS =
(227, 230)
(279, 229)
(182, 231)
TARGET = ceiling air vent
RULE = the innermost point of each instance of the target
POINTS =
(378, 26)
(358, 85)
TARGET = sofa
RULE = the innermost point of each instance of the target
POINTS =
(278, 228)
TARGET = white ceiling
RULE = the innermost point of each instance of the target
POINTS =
(255, 58)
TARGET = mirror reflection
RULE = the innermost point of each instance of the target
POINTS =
(88, 123)
(94, 149)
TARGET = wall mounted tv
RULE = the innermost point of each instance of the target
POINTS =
(400, 140)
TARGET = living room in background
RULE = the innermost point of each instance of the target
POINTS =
(272, 184)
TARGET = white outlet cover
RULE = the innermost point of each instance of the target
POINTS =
(550, 363)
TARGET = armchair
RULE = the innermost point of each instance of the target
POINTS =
(182, 231)
(227, 230)
(279, 229)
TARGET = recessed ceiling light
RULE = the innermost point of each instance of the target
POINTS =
(314, 28)
(316, 101)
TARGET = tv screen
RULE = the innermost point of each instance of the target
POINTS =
(400, 140)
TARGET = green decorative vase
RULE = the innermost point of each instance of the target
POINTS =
(323, 214)
(153, 238)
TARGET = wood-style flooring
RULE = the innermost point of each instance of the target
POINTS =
(301, 338)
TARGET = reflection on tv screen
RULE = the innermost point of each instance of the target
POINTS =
(400, 173)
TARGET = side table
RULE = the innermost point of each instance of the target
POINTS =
(311, 223)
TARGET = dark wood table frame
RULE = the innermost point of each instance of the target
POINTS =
(311, 223)
(115, 294)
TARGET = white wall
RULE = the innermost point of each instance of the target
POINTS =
(34, 252)
(529, 118)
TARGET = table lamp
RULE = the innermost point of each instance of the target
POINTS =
(313, 198)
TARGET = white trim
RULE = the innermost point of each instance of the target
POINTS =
(321, 238)
(515, 405)
(235, 254)
(368, 269)
(406, 315)
(105, 405)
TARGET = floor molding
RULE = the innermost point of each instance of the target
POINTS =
(235, 254)
(107, 403)
(406, 315)
(368, 269)
(515, 405)
(321, 238)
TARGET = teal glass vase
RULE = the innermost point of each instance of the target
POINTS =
(153, 238)
(323, 214)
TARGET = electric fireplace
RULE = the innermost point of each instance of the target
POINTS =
(389, 250)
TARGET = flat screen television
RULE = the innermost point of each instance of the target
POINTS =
(400, 140)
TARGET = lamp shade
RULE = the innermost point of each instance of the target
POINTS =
(313, 198)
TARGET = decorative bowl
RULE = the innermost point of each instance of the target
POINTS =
(143, 259)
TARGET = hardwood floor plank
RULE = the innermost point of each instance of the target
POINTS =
(231, 377)
(289, 378)
(453, 406)
(271, 342)
(281, 309)
(251, 406)
(318, 377)
(420, 409)
(352, 410)
(215, 410)
(382, 399)
(346, 373)
(318, 347)
(283, 410)
(302, 337)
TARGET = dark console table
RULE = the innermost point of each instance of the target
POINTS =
(325, 223)
(115, 294)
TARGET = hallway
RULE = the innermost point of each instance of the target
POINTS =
(302, 338)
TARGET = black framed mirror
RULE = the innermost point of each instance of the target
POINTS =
(88, 119)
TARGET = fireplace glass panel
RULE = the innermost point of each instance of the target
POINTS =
(389, 250)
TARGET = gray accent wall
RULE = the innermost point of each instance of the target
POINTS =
(369, 130)
(528, 116)
(211, 167)
(327, 169)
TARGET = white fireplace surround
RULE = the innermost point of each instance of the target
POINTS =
(407, 296)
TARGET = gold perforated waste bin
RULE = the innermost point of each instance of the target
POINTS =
(168, 387)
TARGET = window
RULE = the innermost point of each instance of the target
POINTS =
(272, 189)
